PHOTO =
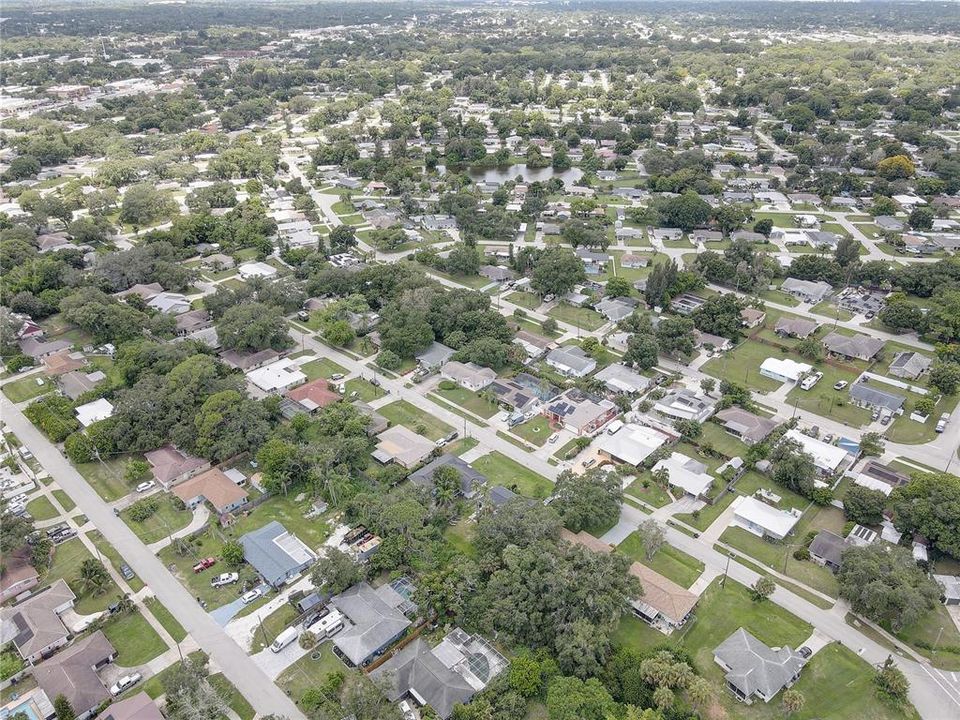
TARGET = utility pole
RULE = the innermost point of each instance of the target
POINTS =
(723, 580)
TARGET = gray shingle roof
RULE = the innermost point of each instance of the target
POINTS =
(858, 346)
(754, 667)
(469, 478)
(868, 395)
(275, 553)
(375, 617)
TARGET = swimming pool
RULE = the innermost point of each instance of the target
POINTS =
(26, 707)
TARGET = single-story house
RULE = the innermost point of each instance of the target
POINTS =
(192, 321)
(498, 496)
(634, 261)
(951, 588)
(615, 309)
(826, 457)
(875, 476)
(35, 626)
(751, 317)
(763, 520)
(620, 379)
(685, 404)
(62, 362)
(169, 303)
(248, 361)
(277, 376)
(95, 411)
(826, 549)
(579, 412)
(76, 382)
(469, 375)
(571, 361)
(470, 479)
(18, 574)
(750, 428)
(403, 446)
(256, 269)
(275, 554)
(434, 356)
(535, 346)
(808, 291)
(867, 394)
(795, 327)
(708, 340)
(631, 444)
(139, 707)
(753, 669)
(686, 474)
(857, 347)
(909, 365)
(442, 677)
(73, 674)
(376, 621)
(170, 466)
(313, 395)
(784, 369)
(686, 303)
(214, 487)
(497, 273)
(39, 349)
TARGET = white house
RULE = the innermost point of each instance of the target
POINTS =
(94, 411)
(687, 474)
(825, 456)
(256, 269)
(468, 375)
(764, 520)
(277, 376)
(784, 369)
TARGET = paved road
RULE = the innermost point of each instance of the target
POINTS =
(265, 697)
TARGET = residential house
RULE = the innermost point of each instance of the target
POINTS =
(144, 290)
(827, 548)
(571, 361)
(686, 303)
(468, 375)
(535, 346)
(746, 426)
(248, 361)
(62, 362)
(213, 487)
(857, 347)
(795, 327)
(193, 320)
(498, 496)
(711, 342)
(138, 707)
(685, 404)
(376, 621)
(170, 466)
(39, 349)
(751, 317)
(866, 394)
(18, 575)
(909, 365)
(631, 444)
(313, 395)
(619, 379)
(763, 520)
(686, 474)
(256, 269)
(950, 585)
(75, 383)
(442, 677)
(579, 412)
(497, 273)
(169, 303)
(807, 291)
(470, 479)
(73, 674)
(434, 356)
(277, 376)
(95, 411)
(633, 261)
(615, 309)
(35, 626)
(593, 262)
(402, 446)
(753, 669)
(522, 393)
(275, 554)
(826, 457)
(875, 476)
(784, 370)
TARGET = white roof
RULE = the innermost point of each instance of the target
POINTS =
(277, 375)
(686, 473)
(256, 269)
(94, 411)
(825, 456)
(778, 523)
(872, 483)
(632, 443)
(785, 367)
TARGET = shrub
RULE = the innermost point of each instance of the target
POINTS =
(801, 554)
(143, 509)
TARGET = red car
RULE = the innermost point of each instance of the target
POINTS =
(204, 564)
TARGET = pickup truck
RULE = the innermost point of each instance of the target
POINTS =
(204, 564)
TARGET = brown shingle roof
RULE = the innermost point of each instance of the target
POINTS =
(219, 490)
(71, 673)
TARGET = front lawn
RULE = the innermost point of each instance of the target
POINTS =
(204, 545)
(669, 561)
(27, 388)
(704, 517)
(66, 502)
(938, 629)
(165, 618)
(907, 431)
(322, 368)
(106, 477)
(524, 300)
(645, 489)
(823, 400)
(535, 431)
(67, 559)
(742, 366)
(830, 310)
(40, 508)
(272, 625)
(169, 517)
(135, 640)
(365, 390)
(501, 470)
(308, 674)
(469, 400)
(403, 413)
(107, 551)
(583, 318)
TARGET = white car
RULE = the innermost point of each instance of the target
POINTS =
(146, 485)
(127, 681)
(224, 579)
(249, 597)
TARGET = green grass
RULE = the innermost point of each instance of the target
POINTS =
(524, 300)
(135, 640)
(923, 635)
(469, 400)
(67, 559)
(153, 686)
(634, 633)
(535, 431)
(27, 389)
(584, 318)
(40, 508)
(365, 390)
(565, 448)
(460, 536)
(165, 618)
(66, 502)
(828, 309)
(307, 673)
(107, 551)
(166, 520)
(906, 431)
(722, 441)
(501, 470)
(707, 514)
(106, 478)
(403, 413)
(461, 446)
(669, 561)
(823, 400)
(322, 368)
(652, 494)
(235, 699)
(272, 625)
(742, 366)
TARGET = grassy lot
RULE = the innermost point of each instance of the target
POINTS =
(199, 583)
(165, 618)
(106, 477)
(534, 431)
(524, 300)
(153, 686)
(461, 446)
(722, 441)
(67, 559)
(907, 431)
(272, 625)
(469, 400)
(235, 699)
(41, 508)
(307, 673)
(27, 388)
(322, 368)
(110, 553)
(668, 561)
(924, 635)
(742, 366)
(823, 400)
(66, 502)
(365, 390)
(778, 297)
(652, 494)
(708, 514)
(403, 413)
(632, 632)
(460, 536)
(166, 520)
(564, 449)
(753, 481)
(501, 470)
(828, 309)
(135, 640)
(584, 318)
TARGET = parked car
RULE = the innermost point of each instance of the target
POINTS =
(336, 376)
(553, 438)
(224, 579)
(804, 652)
(204, 564)
(249, 597)
(57, 529)
(127, 681)
(452, 436)
(840, 385)
(407, 709)
(126, 571)
(146, 485)
(303, 316)
(64, 536)
(441, 442)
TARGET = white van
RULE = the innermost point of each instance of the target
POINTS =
(614, 426)
(284, 639)
(329, 624)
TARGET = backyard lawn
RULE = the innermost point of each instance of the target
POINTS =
(722, 441)
(524, 300)
(669, 561)
(830, 310)
(460, 536)
(403, 413)
(165, 618)
(742, 366)
(501, 470)
(634, 633)
(651, 493)
(166, 520)
(40, 508)
(535, 431)
(27, 388)
(67, 559)
(469, 400)
(307, 673)
(584, 318)
(135, 640)
(322, 368)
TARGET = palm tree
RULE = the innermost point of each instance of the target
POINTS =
(93, 576)
(661, 477)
